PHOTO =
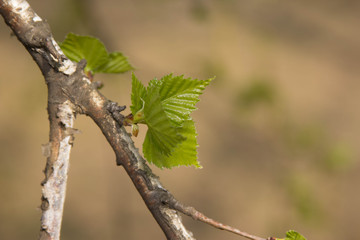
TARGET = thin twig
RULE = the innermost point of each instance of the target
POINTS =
(70, 91)
(195, 214)
(192, 212)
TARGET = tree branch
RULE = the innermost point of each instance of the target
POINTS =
(70, 91)
(35, 35)
(57, 165)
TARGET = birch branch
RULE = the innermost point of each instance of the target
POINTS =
(34, 33)
(66, 82)
(71, 92)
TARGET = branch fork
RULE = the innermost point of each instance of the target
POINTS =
(71, 92)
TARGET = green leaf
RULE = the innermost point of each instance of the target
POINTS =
(292, 235)
(184, 153)
(138, 95)
(116, 63)
(179, 96)
(165, 106)
(77, 47)
(161, 136)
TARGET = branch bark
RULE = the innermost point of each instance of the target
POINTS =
(35, 35)
(71, 92)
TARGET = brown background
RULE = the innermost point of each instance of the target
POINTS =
(278, 128)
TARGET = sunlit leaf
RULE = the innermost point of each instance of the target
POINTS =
(161, 136)
(179, 96)
(138, 95)
(77, 47)
(165, 106)
(184, 153)
(292, 235)
(116, 63)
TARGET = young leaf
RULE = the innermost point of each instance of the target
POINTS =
(165, 106)
(116, 63)
(161, 136)
(138, 95)
(183, 154)
(77, 47)
(186, 152)
(292, 235)
(179, 96)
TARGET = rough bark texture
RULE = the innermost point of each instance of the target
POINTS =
(35, 35)
(70, 92)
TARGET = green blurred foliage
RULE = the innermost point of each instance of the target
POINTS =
(217, 69)
(303, 198)
(338, 158)
(326, 153)
(308, 137)
(260, 92)
(310, 142)
(199, 10)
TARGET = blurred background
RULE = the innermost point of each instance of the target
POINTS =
(278, 128)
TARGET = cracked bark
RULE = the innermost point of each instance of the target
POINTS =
(71, 92)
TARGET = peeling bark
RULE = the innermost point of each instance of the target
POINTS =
(54, 185)
(71, 92)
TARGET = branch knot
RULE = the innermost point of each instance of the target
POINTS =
(115, 110)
